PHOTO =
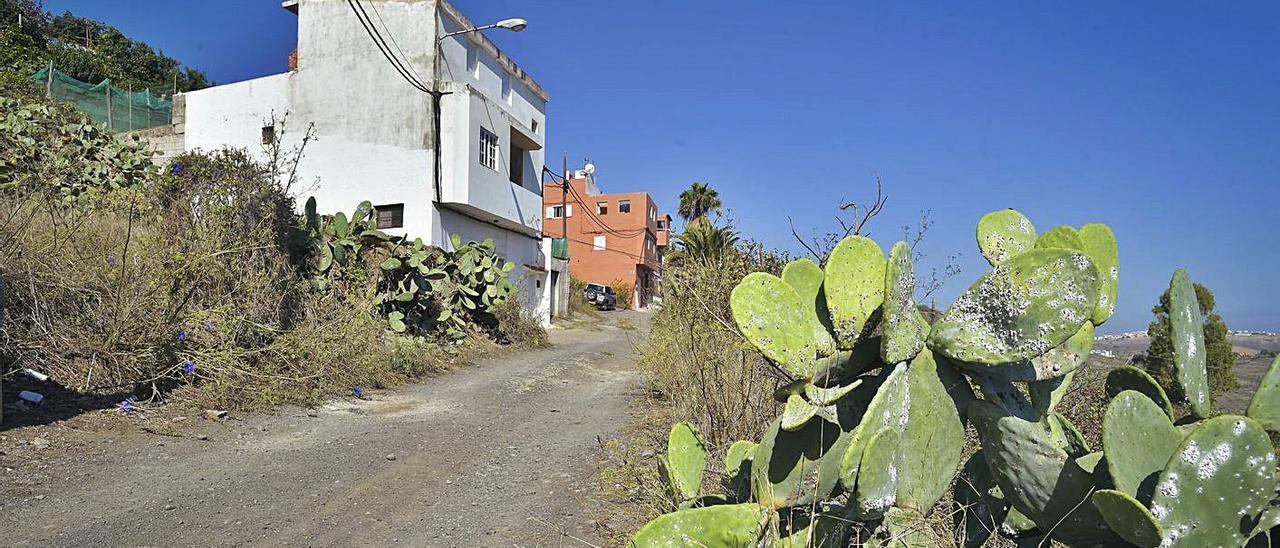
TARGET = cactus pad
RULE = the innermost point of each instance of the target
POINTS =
(888, 407)
(1187, 329)
(1005, 234)
(1138, 438)
(829, 396)
(685, 460)
(769, 313)
(1020, 309)
(879, 474)
(1265, 406)
(1127, 377)
(904, 326)
(1128, 518)
(785, 469)
(806, 278)
(933, 442)
(826, 529)
(737, 468)
(1100, 244)
(854, 286)
(1037, 477)
(985, 510)
(1067, 436)
(797, 413)
(1045, 395)
(1061, 237)
(1223, 470)
(726, 525)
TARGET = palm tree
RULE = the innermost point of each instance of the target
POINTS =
(699, 200)
(705, 240)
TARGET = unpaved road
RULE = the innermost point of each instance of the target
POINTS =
(497, 454)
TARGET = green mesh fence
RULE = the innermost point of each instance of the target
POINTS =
(117, 109)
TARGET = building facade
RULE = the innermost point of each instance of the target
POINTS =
(611, 237)
(464, 158)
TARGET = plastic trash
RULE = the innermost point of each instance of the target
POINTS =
(35, 374)
(33, 397)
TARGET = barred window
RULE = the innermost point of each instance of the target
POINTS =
(488, 149)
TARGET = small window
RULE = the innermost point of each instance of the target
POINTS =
(602, 208)
(516, 165)
(506, 88)
(488, 149)
(268, 135)
(556, 212)
(598, 244)
(389, 216)
(534, 125)
(624, 206)
(662, 224)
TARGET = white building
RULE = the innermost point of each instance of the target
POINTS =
(477, 173)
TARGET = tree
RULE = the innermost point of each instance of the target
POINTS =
(706, 240)
(1220, 358)
(699, 200)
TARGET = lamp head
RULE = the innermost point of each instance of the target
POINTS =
(513, 25)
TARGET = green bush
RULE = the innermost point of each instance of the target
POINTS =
(1221, 359)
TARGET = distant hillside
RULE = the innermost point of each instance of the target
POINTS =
(85, 49)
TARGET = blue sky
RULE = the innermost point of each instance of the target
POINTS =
(1158, 118)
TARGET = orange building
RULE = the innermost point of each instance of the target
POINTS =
(611, 236)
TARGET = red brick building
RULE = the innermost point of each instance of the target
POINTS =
(611, 236)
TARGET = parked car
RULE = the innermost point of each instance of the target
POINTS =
(602, 296)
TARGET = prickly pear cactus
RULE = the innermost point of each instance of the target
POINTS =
(887, 409)
(1045, 395)
(985, 507)
(1100, 244)
(825, 528)
(1128, 518)
(1265, 406)
(1020, 309)
(786, 466)
(1138, 438)
(725, 525)
(806, 277)
(737, 468)
(770, 314)
(685, 460)
(1061, 237)
(879, 473)
(1223, 470)
(1128, 377)
(932, 442)
(1187, 329)
(1005, 234)
(854, 286)
(904, 326)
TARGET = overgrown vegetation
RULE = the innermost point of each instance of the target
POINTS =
(1220, 358)
(201, 278)
(85, 49)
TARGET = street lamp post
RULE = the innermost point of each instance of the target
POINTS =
(513, 25)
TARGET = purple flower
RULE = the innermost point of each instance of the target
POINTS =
(359, 392)
(125, 407)
(111, 260)
(210, 325)
(188, 366)
(182, 335)
(177, 168)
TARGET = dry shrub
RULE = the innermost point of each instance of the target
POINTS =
(623, 291)
(518, 325)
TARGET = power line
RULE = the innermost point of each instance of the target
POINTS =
(376, 36)
(629, 233)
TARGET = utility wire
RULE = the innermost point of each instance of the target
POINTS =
(376, 36)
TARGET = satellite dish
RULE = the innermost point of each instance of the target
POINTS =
(589, 168)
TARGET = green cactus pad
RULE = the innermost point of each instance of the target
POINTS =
(854, 286)
(725, 526)
(879, 473)
(1265, 406)
(1127, 377)
(1058, 361)
(838, 368)
(904, 326)
(1045, 395)
(1038, 477)
(1128, 518)
(829, 396)
(770, 315)
(737, 468)
(1187, 329)
(1006, 396)
(1067, 436)
(806, 277)
(888, 407)
(826, 529)
(798, 412)
(1100, 244)
(932, 443)
(1096, 465)
(984, 510)
(1138, 438)
(1223, 470)
(786, 466)
(1004, 234)
(685, 460)
(1061, 237)
(1021, 527)
(1019, 310)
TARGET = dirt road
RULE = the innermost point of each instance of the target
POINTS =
(497, 454)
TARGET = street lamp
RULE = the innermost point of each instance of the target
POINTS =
(513, 25)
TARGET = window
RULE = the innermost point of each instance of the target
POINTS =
(389, 216)
(556, 212)
(624, 206)
(534, 124)
(517, 164)
(653, 214)
(662, 224)
(268, 135)
(488, 149)
(602, 208)
(598, 244)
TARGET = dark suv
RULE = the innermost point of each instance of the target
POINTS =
(601, 295)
